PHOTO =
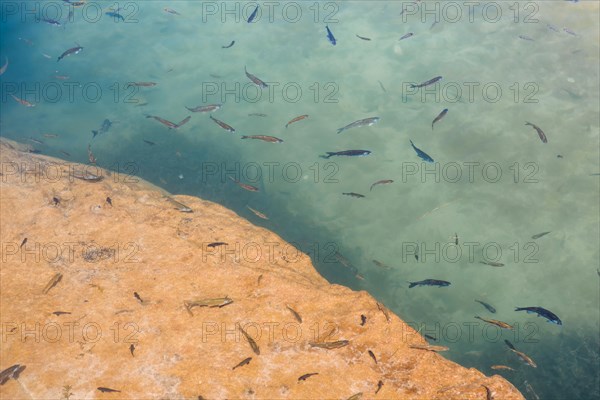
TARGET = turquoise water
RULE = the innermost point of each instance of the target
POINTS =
(525, 61)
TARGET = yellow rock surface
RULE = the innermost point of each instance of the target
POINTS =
(127, 271)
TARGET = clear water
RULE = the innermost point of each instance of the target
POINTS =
(548, 76)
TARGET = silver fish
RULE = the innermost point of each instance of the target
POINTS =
(360, 123)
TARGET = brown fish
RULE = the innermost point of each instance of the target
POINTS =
(255, 80)
(380, 264)
(218, 302)
(382, 182)
(496, 322)
(294, 313)
(203, 109)
(223, 124)
(245, 186)
(373, 356)
(498, 367)
(169, 124)
(525, 358)
(108, 390)
(245, 361)
(23, 102)
(330, 345)
(540, 133)
(270, 139)
(299, 118)
(306, 376)
(258, 213)
(428, 347)
(251, 341)
(216, 244)
(53, 282)
(379, 386)
(384, 310)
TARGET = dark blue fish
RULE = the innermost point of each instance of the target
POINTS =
(330, 36)
(51, 21)
(253, 15)
(350, 153)
(421, 153)
(541, 312)
(115, 15)
(487, 306)
(429, 282)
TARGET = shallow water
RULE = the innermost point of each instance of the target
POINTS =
(511, 185)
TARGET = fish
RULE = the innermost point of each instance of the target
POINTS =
(257, 213)
(499, 367)
(203, 109)
(352, 194)
(115, 15)
(379, 386)
(270, 139)
(492, 263)
(91, 155)
(426, 83)
(382, 182)
(382, 88)
(330, 345)
(108, 390)
(430, 337)
(21, 101)
(428, 347)
(230, 44)
(62, 77)
(218, 302)
(183, 121)
(356, 396)
(528, 360)
(140, 84)
(528, 38)
(257, 115)
(487, 306)
(380, 264)
(455, 239)
(496, 322)
(363, 38)
(363, 320)
(330, 36)
(171, 11)
(59, 313)
(149, 142)
(245, 361)
(68, 52)
(409, 34)
(251, 341)
(50, 21)
(349, 153)
(372, 356)
(362, 122)
(569, 31)
(53, 282)
(384, 311)
(539, 235)
(294, 313)
(306, 376)
(429, 282)
(299, 118)
(169, 124)
(440, 116)
(35, 141)
(34, 151)
(89, 177)
(245, 186)
(179, 206)
(109, 201)
(222, 124)
(137, 296)
(488, 393)
(253, 15)
(4, 67)
(540, 132)
(11, 372)
(254, 79)
(50, 135)
(217, 244)
(132, 349)
(422, 155)
(106, 124)
(541, 312)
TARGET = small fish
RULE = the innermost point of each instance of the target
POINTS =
(540, 133)
(384, 311)
(499, 367)
(50, 21)
(253, 15)
(509, 344)
(372, 356)
(330, 345)
(552, 27)
(91, 157)
(501, 324)
(149, 142)
(106, 124)
(245, 186)
(363, 320)
(422, 155)
(306, 376)
(487, 306)
(264, 138)
(429, 282)
(541, 312)
(349, 153)
(380, 264)
(428, 347)
(488, 393)
(72, 50)
(259, 215)
(455, 239)
(21, 101)
(362, 122)
(35, 140)
(230, 44)
(299, 118)
(178, 205)
(62, 77)
(406, 36)
(217, 244)
(140, 84)
(132, 349)
(521, 355)
(34, 151)
(204, 109)
(356, 396)
(569, 31)
(294, 313)
(254, 79)
(4, 67)
(251, 341)
(50, 135)
(171, 11)
(183, 121)
(330, 36)
(257, 115)
(528, 38)
(381, 86)
(492, 263)
(379, 386)
(89, 177)
(382, 182)
(430, 337)
(27, 41)
(109, 201)
(12, 372)
(427, 83)
(440, 116)
(222, 124)
(363, 38)
(245, 361)
(59, 313)
(539, 235)
(137, 296)
(108, 390)
(53, 282)
(218, 302)
(356, 195)
(115, 15)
